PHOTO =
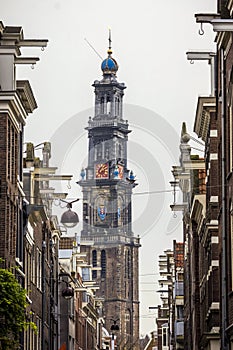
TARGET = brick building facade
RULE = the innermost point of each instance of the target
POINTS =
(208, 214)
(41, 244)
(170, 319)
(16, 102)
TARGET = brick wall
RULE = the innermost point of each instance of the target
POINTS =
(9, 200)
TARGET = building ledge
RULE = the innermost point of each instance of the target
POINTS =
(179, 207)
(212, 335)
(11, 104)
(27, 98)
(204, 106)
(194, 165)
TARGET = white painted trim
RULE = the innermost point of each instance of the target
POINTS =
(213, 156)
(214, 199)
(213, 133)
(215, 263)
(214, 306)
(215, 330)
(214, 240)
(214, 222)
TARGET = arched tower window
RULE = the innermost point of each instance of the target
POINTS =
(120, 151)
(103, 264)
(108, 104)
(120, 210)
(99, 151)
(102, 105)
(127, 321)
(107, 150)
(94, 263)
(126, 273)
(117, 108)
(128, 264)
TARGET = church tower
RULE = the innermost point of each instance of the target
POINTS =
(107, 186)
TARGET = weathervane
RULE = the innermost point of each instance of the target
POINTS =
(109, 41)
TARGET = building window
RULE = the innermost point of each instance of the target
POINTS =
(20, 155)
(32, 338)
(39, 270)
(86, 274)
(28, 269)
(165, 335)
(33, 266)
(103, 263)
(38, 335)
(9, 152)
(180, 312)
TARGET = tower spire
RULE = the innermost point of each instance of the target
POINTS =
(109, 66)
(109, 42)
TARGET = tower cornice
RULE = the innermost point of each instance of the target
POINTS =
(105, 183)
(109, 83)
(102, 125)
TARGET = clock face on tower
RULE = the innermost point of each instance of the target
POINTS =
(102, 171)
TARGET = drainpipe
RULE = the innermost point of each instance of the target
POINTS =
(43, 295)
(132, 296)
(212, 74)
(225, 345)
(86, 334)
(51, 296)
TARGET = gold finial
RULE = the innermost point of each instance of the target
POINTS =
(109, 42)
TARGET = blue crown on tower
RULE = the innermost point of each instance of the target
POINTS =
(109, 65)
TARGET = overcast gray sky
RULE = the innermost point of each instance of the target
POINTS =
(149, 41)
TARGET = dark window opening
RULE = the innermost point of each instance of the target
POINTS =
(94, 263)
(103, 264)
